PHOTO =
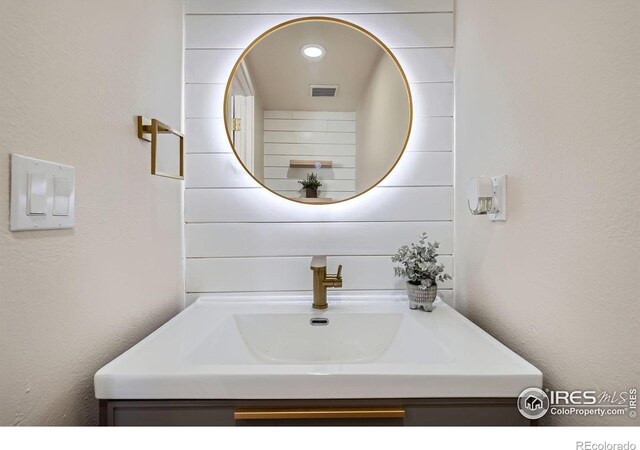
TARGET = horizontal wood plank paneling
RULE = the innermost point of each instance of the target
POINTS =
(209, 136)
(209, 66)
(301, 238)
(381, 204)
(283, 160)
(432, 99)
(309, 137)
(206, 136)
(299, 173)
(395, 30)
(309, 150)
(278, 184)
(216, 170)
(204, 101)
(429, 99)
(318, 133)
(431, 134)
(422, 169)
(419, 64)
(323, 7)
(292, 273)
(224, 170)
(334, 296)
(235, 228)
(313, 115)
(339, 126)
(228, 31)
(296, 125)
(426, 64)
(333, 195)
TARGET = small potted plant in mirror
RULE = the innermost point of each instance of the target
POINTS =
(310, 184)
(419, 264)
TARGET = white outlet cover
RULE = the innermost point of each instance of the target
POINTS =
(500, 196)
(21, 166)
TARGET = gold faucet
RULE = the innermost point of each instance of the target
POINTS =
(321, 281)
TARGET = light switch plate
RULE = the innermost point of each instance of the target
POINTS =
(23, 171)
(62, 188)
(37, 193)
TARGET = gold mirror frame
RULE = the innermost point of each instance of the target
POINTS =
(312, 19)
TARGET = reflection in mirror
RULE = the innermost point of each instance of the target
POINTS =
(318, 97)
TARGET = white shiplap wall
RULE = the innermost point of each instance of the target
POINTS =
(239, 237)
(310, 135)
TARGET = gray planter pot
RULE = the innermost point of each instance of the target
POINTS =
(421, 298)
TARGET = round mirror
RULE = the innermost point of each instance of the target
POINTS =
(318, 110)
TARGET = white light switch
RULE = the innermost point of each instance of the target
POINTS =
(61, 192)
(37, 194)
(42, 194)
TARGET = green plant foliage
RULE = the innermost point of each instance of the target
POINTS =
(310, 181)
(419, 263)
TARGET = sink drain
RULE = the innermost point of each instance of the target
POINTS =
(319, 322)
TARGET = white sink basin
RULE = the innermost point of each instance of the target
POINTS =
(346, 338)
(310, 338)
(265, 347)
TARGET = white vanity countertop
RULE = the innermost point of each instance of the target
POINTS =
(249, 347)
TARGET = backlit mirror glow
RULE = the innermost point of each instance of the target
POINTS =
(318, 110)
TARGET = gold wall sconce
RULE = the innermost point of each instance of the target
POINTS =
(149, 130)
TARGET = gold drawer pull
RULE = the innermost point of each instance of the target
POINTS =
(318, 413)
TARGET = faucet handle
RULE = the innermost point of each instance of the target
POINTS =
(318, 262)
(339, 274)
